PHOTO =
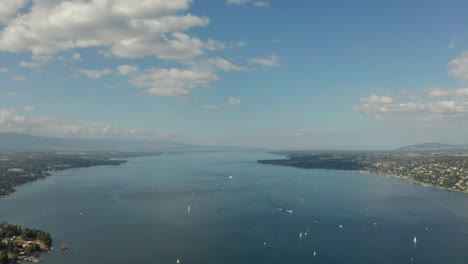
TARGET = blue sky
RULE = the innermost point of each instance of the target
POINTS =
(280, 74)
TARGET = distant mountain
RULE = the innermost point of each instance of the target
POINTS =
(13, 142)
(434, 147)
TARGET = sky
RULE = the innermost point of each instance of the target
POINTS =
(293, 74)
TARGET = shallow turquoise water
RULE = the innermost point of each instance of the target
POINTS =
(138, 213)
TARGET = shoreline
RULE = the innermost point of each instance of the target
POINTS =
(44, 249)
(411, 180)
(47, 163)
(370, 172)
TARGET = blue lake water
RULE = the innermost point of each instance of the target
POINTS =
(138, 213)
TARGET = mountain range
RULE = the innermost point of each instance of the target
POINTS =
(434, 147)
(14, 142)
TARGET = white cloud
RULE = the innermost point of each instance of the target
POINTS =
(375, 99)
(211, 107)
(238, 2)
(271, 61)
(225, 65)
(19, 78)
(240, 44)
(179, 81)
(94, 74)
(424, 110)
(29, 107)
(262, 4)
(130, 28)
(126, 69)
(435, 92)
(459, 67)
(9, 8)
(76, 56)
(37, 61)
(439, 92)
(3, 70)
(172, 82)
(311, 131)
(51, 127)
(234, 101)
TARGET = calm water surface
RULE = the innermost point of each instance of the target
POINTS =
(138, 213)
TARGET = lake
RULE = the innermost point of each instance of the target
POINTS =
(138, 212)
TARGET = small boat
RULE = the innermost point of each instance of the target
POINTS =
(341, 226)
(289, 211)
(415, 240)
(188, 209)
(178, 261)
(315, 254)
(300, 235)
(230, 177)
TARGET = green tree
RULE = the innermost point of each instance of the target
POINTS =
(4, 257)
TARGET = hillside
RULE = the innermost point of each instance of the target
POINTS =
(13, 142)
(434, 147)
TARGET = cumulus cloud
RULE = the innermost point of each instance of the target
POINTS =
(3, 70)
(459, 67)
(211, 107)
(375, 99)
(440, 92)
(94, 74)
(130, 28)
(427, 109)
(435, 92)
(9, 8)
(271, 61)
(172, 82)
(126, 69)
(51, 127)
(225, 65)
(19, 78)
(29, 108)
(234, 101)
(238, 2)
(261, 4)
(76, 56)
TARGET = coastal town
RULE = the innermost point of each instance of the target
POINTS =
(22, 244)
(439, 169)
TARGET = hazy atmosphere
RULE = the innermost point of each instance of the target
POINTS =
(275, 74)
